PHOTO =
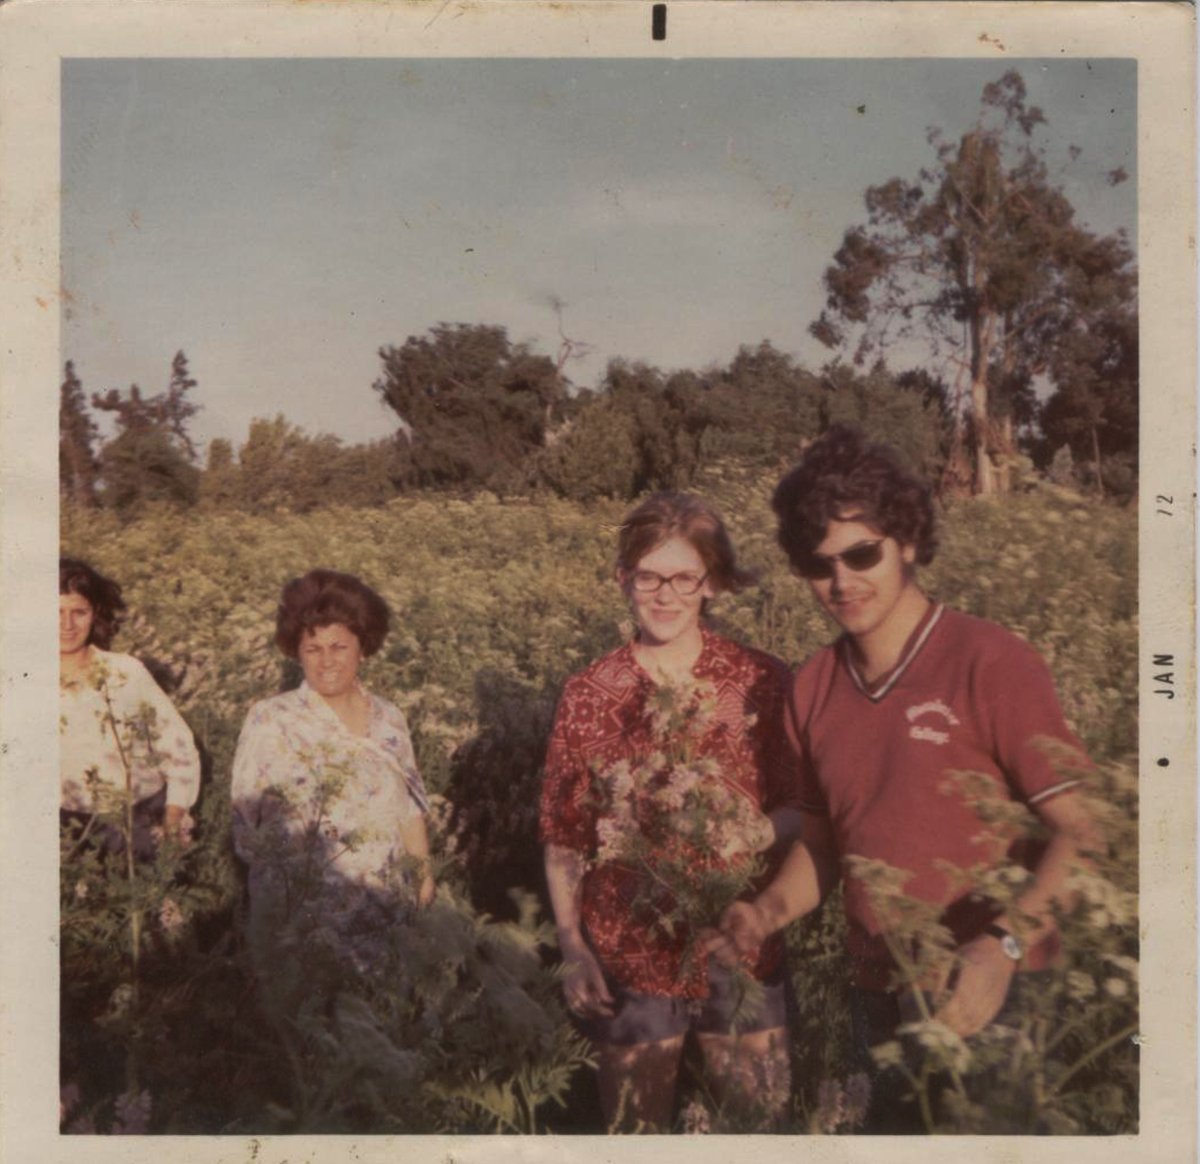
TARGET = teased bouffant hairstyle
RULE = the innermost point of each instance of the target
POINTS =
(327, 598)
(104, 595)
(666, 515)
(840, 474)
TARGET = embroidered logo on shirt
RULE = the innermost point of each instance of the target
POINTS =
(933, 735)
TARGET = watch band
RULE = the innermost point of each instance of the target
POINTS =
(1011, 945)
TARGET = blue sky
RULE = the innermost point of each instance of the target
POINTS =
(282, 220)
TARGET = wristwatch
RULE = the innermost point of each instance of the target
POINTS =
(1012, 946)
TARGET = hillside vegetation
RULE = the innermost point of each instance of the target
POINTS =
(494, 602)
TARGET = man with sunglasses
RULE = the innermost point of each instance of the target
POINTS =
(908, 695)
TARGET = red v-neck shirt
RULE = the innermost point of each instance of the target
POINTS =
(966, 696)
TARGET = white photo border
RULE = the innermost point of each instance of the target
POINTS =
(37, 35)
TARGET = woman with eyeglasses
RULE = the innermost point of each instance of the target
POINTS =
(636, 989)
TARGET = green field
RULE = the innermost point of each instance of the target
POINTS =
(494, 602)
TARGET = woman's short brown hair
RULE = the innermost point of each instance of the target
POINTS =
(666, 515)
(327, 598)
(102, 594)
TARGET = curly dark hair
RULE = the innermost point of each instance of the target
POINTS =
(840, 474)
(327, 598)
(666, 515)
(103, 594)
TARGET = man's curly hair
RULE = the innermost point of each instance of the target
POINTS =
(842, 474)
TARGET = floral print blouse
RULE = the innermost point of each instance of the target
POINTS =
(307, 790)
(116, 709)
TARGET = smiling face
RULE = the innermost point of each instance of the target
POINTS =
(330, 657)
(663, 615)
(873, 604)
(75, 618)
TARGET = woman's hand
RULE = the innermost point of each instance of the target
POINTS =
(415, 839)
(178, 824)
(584, 988)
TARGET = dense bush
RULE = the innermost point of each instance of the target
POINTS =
(594, 455)
(494, 603)
(908, 419)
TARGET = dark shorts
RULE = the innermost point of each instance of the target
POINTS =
(650, 1018)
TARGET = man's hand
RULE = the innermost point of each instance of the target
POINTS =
(742, 930)
(584, 988)
(985, 973)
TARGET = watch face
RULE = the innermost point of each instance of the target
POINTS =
(1012, 947)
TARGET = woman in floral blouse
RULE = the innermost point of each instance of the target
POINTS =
(119, 735)
(617, 799)
(328, 806)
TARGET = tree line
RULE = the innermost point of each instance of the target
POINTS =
(1029, 318)
(477, 411)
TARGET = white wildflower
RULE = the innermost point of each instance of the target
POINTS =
(696, 1120)
(1122, 962)
(1080, 986)
(889, 1054)
(938, 1038)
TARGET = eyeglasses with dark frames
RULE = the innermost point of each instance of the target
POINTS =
(863, 556)
(684, 584)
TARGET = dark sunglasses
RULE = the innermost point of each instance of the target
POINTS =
(863, 556)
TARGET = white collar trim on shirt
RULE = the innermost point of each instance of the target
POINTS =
(900, 668)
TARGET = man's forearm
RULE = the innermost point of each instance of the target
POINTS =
(564, 879)
(1074, 835)
(805, 876)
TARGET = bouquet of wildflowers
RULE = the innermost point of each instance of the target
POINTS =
(690, 836)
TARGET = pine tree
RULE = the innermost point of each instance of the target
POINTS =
(77, 433)
(151, 457)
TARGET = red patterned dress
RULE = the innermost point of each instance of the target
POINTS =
(602, 719)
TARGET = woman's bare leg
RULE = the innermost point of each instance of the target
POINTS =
(751, 1072)
(637, 1085)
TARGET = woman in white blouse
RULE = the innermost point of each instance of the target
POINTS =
(119, 734)
(328, 806)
